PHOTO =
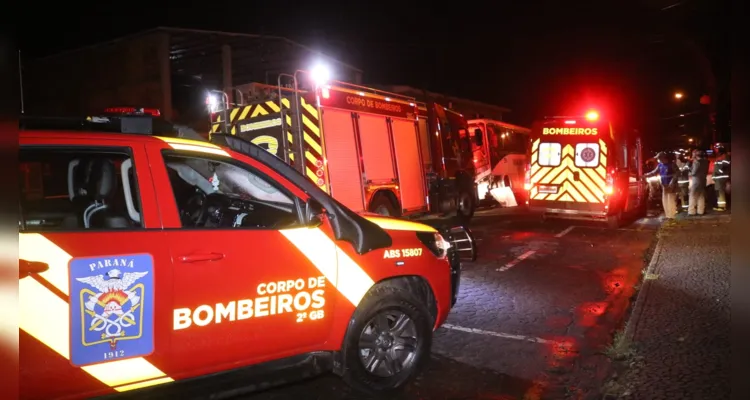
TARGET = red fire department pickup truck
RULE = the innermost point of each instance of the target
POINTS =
(145, 261)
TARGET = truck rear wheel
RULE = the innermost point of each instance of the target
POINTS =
(387, 343)
(614, 221)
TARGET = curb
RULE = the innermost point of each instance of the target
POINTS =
(640, 301)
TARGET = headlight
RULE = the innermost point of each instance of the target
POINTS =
(435, 242)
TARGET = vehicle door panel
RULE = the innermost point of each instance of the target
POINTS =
(68, 343)
(229, 304)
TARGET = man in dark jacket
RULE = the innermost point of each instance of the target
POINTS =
(721, 177)
(666, 169)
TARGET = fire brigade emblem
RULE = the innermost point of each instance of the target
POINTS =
(588, 155)
(111, 300)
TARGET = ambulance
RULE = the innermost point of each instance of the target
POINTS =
(370, 149)
(500, 157)
(147, 261)
(584, 168)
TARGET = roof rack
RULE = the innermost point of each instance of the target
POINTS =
(125, 124)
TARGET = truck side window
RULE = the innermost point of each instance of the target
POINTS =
(216, 194)
(549, 154)
(69, 190)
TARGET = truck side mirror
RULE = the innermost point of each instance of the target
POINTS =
(478, 138)
(313, 213)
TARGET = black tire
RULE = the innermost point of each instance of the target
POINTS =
(382, 205)
(614, 221)
(465, 206)
(383, 300)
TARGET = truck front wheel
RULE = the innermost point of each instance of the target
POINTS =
(388, 341)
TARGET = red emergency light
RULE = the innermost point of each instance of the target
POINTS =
(592, 115)
(133, 110)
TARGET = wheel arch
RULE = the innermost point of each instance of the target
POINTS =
(414, 284)
(388, 194)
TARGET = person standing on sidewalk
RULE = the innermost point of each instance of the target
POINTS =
(683, 180)
(666, 171)
(698, 177)
(721, 177)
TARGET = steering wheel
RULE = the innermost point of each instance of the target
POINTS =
(195, 208)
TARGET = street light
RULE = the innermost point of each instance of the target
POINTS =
(678, 95)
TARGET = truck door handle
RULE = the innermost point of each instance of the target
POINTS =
(191, 258)
(26, 268)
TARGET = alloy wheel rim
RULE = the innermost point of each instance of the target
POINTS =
(388, 344)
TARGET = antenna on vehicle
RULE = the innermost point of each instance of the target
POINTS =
(20, 78)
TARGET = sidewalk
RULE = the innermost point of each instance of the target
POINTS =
(676, 343)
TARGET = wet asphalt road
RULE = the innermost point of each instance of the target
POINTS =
(534, 312)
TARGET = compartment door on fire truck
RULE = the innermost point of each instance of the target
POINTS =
(344, 173)
(410, 173)
(92, 276)
(243, 288)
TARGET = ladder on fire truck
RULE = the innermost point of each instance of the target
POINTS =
(288, 88)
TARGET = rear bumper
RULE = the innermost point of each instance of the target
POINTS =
(570, 210)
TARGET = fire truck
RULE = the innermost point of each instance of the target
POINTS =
(500, 157)
(584, 168)
(372, 150)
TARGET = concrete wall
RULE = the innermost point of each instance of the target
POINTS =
(122, 73)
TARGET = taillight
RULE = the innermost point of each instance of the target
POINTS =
(609, 188)
(527, 178)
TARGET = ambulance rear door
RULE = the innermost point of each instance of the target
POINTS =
(569, 171)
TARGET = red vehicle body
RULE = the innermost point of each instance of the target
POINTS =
(204, 299)
(371, 150)
(447, 159)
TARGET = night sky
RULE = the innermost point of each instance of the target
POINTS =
(536, 57)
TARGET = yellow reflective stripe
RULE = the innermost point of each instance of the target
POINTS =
(311, 175)
(273, 106)
(140, 385)
(245, 110)
(46, 317)
(201, 149)
(35, 247)
(311, 126)
(310, 157)
(285, 102)
(343, 272)
(171, 140)
(568, 151)
(311, 142)
(309, 108)
(535, 145)
(399, 224)
(233, 113)
(258, 111)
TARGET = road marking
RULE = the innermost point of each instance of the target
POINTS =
(516, 261)
(565, 232)
(498, 334)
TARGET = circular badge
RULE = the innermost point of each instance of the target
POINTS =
(588, 155)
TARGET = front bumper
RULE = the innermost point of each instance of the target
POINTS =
(463, 248)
